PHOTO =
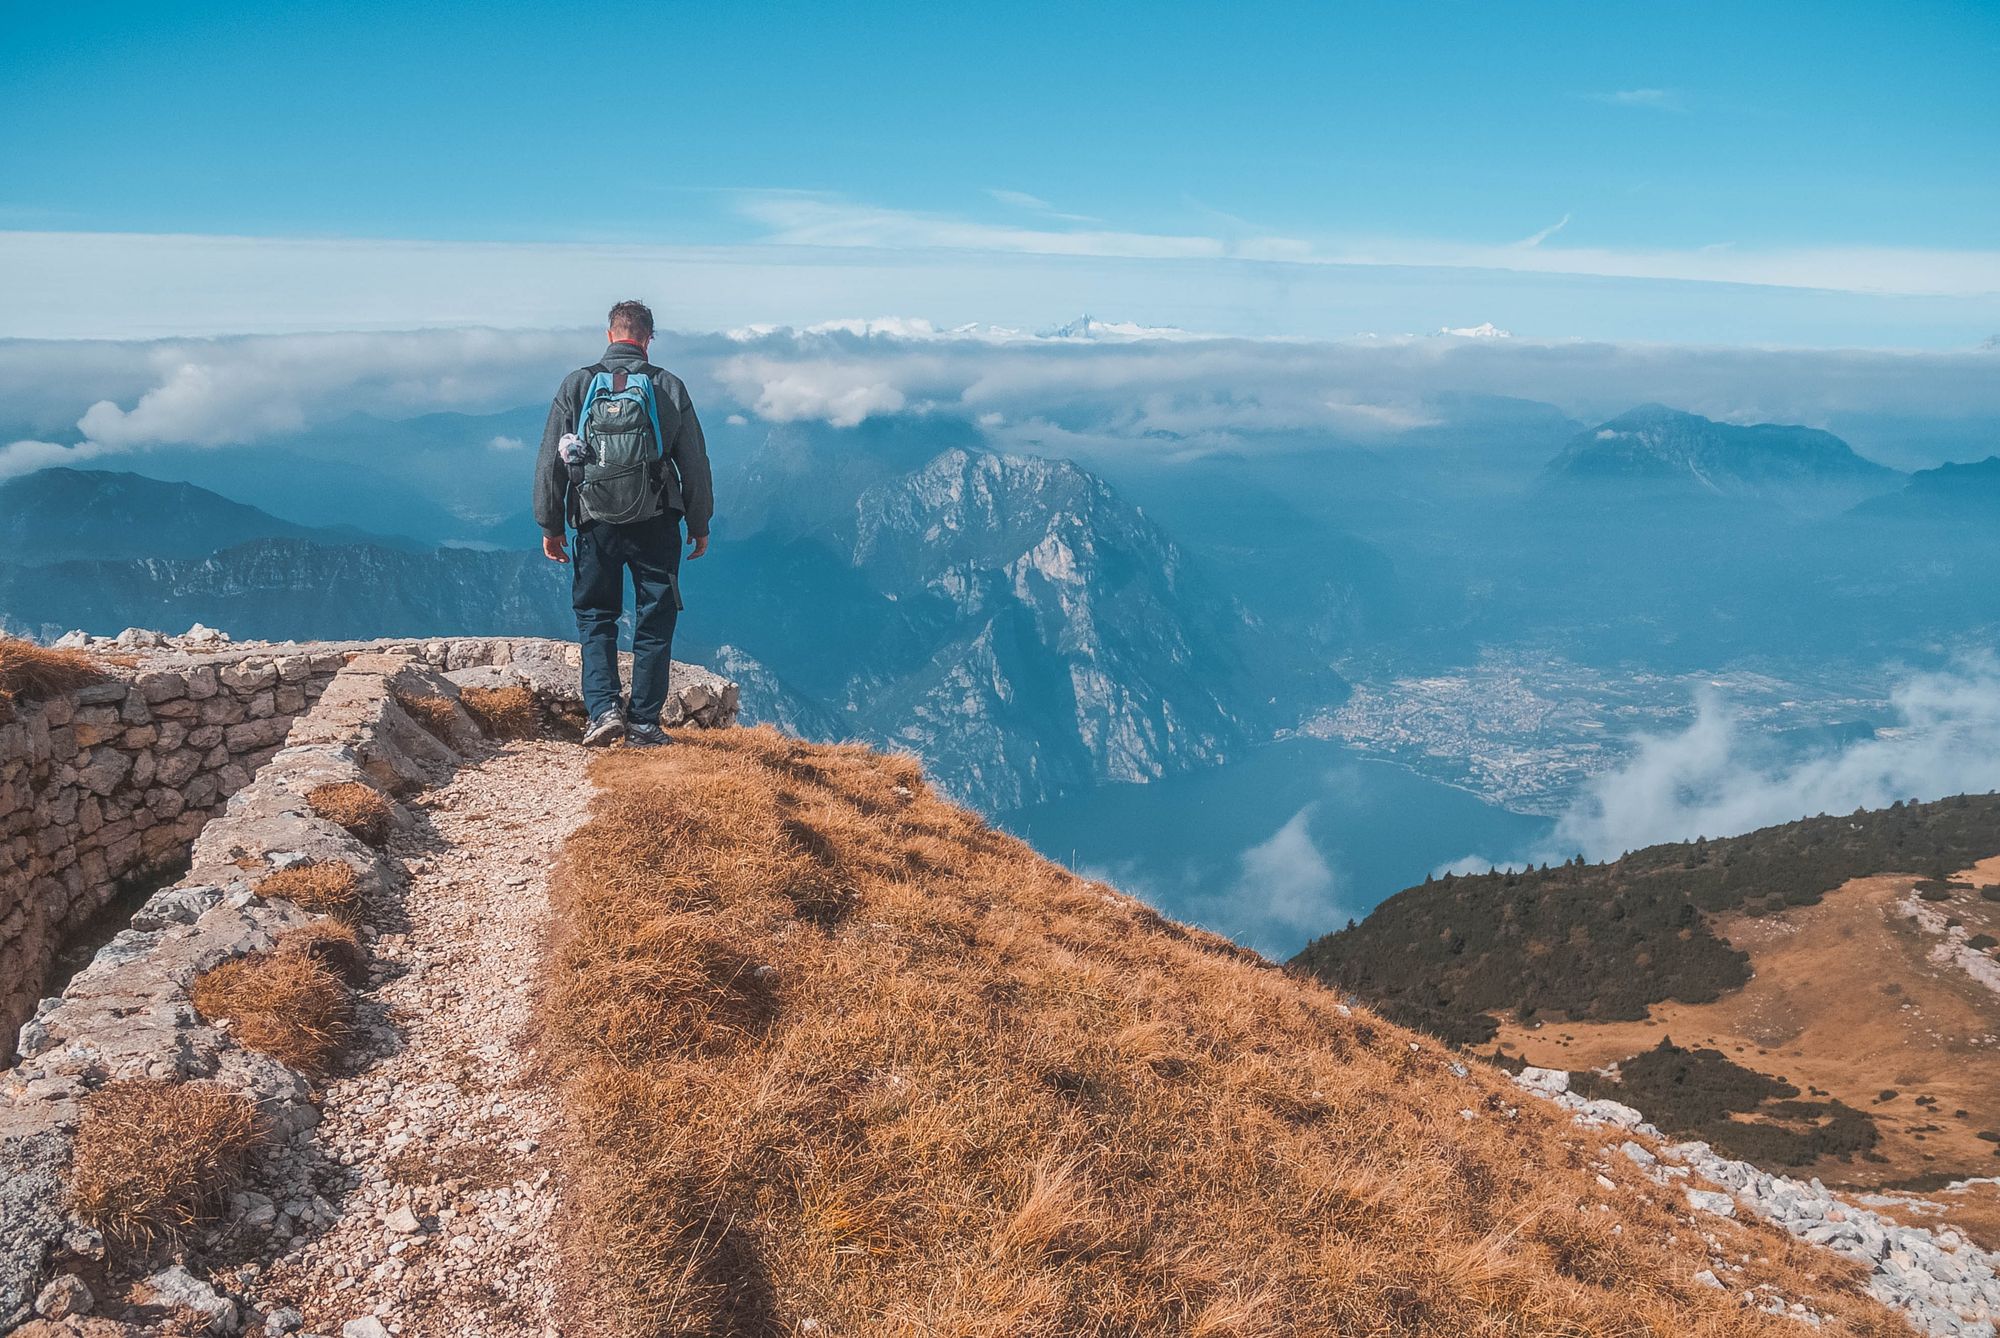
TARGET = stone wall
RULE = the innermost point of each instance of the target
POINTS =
(112, 782)
(128, 1014)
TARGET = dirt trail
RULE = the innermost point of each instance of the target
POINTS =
(434, 1187)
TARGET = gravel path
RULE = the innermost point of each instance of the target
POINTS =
(424, 1197)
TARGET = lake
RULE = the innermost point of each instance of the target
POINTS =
(1277, 847)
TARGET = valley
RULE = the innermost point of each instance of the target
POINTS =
(1523, 728)
(1117, 645)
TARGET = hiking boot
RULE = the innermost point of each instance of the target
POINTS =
(645, 736)
(605, 729)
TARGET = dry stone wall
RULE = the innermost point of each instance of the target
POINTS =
(112, 782)
(128, 1014)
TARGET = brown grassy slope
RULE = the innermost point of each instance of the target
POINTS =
(839, 1059)
(1846, 999)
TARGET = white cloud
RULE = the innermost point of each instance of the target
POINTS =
(232, 392)
(1713, 779)
(1020, 199)
(801, 219)
(1536, 239)
(1287, 882)
(25, 457)
(780, 392)
(1657, 99)
(1178, 395)
(505, 443)
(823, 260)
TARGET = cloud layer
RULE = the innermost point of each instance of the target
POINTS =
(824, 258)
(1715, 779)
(1171, 393)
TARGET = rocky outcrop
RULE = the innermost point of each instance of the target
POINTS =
(128, 1014)
(1941, 1282)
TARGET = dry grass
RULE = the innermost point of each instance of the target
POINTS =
(357, 807)
(30, 673)
(435, 714)
(331, 887)
(504, 713)
(831, 1049)
(288, 1004)
(331, 943)
(153, 1159)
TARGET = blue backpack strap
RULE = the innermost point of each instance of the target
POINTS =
(598, 371)
(646, 374)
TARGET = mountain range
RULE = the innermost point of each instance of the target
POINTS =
(1009, 618)
(58, 514)
(1034, 623)
(1951, 493)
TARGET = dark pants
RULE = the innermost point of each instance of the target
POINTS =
(651, 549)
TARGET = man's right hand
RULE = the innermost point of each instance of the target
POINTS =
(555, 547)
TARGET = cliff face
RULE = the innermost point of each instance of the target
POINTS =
(1073, 646)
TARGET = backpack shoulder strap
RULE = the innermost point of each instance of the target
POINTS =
(595, 370)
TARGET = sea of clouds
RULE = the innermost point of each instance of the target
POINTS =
(75, 400)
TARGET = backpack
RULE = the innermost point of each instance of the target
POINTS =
(623, 452)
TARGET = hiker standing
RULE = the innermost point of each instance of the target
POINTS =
(622, 461)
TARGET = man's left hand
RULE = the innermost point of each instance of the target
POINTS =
(697, 545)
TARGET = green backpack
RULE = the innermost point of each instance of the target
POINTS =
(619, 478)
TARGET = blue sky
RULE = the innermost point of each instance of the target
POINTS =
(1776, 173)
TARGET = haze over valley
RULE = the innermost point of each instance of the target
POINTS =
(1069, 570)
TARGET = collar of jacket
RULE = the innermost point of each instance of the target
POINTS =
(630, 354)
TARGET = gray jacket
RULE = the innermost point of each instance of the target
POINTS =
(688, 487)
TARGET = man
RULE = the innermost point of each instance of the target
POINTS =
(622, 462)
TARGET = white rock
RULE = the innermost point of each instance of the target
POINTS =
(1708, 1201)
(366, 1327)
(1546, 1081)
(404, 1221)
(177, 1287)
(65, 1295)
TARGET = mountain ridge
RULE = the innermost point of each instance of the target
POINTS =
(57, 513)
(1670, 454)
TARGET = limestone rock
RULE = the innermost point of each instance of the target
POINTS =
(66, 1295)
(182, 1290)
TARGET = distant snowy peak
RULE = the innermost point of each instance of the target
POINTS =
(915, 329)
(1087, 326)
(1483, 330)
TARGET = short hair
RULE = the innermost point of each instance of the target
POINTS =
(634, 320)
